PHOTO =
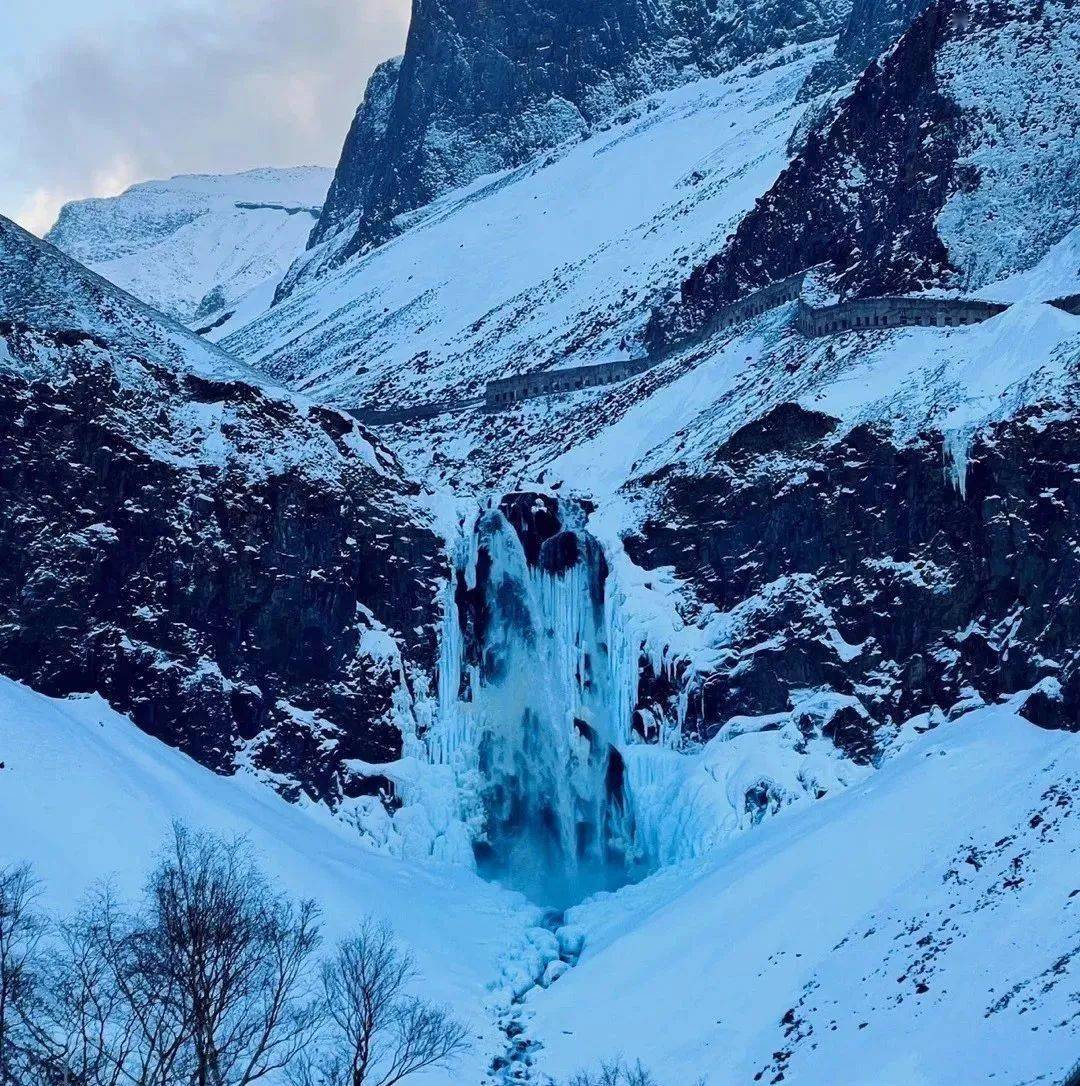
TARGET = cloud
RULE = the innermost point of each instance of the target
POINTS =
(38, 211)
(245, 83)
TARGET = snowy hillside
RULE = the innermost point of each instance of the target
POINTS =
(194, 245)
(79, 756)
(558, 261)
(951, 164)
(957, 917)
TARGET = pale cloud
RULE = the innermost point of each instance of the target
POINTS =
(39, 210)
(244, 83)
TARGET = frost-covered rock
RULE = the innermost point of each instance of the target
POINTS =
(245, 573)
(843, 562)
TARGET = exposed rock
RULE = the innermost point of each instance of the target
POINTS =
(852, 564)
(870, 29)
(485, 87)
(246, 575)
(534, 517)
(354, 172)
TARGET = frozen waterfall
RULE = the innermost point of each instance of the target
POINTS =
(537, 686)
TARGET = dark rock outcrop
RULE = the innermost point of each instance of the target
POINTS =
(870, 29)
(348, 190)
(483, 87)
(852, 564)
(861, 197)
(245, 575)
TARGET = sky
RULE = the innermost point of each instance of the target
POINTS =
(98, 94)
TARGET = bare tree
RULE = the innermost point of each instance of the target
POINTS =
(618, 1073)
(79, 1025)
(376, 1035)
(152, 1000)
(21, 931)
(233, 955)
(208, 983)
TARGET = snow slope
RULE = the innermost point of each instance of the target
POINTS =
(905, 932)
(194, 245)
(554, 262)
(947, 924)
(85, 795)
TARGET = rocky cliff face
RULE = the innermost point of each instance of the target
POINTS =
(870, 29)
(483, 87)
(861, 197)
(845, 562)
(902, 186)
(246, 575)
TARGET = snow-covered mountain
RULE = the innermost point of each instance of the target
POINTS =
(484, 88)
(245, 572)
(952, 164)
(873, 495)
(759, 670)
(194, 246)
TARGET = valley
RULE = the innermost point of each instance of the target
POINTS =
(621, 528)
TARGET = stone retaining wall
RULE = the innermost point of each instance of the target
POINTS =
(753, 305)
(508, 390)
(860, 313)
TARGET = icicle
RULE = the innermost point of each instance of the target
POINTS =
(450, 733)
(955, 448)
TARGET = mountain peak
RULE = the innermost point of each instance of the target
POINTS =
(484, 87)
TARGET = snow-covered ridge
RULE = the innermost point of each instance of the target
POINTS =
(149, 458)
(194, 245)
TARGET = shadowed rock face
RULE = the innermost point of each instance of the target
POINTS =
(243, 574)
(852, 564)
(484, 86)
(861, 197)
(870, 29)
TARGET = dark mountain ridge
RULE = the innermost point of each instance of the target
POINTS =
(483, 87)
